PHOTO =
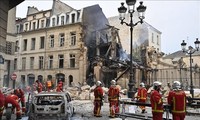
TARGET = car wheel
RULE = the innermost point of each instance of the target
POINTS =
(69, 112)
(8, 113)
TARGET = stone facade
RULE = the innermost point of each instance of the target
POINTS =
(7, 21)
(53, 44)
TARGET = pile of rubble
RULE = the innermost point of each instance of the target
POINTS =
(85, 92)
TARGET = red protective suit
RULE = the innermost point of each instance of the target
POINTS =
(113, 97)
(39, 86)
(20, 95)
(156, 105)
(98, 94)
(2, 102)
(59, 87)
(13, 99)
(142, 97)
(177, 100)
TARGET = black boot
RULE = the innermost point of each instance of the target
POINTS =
(19, 117)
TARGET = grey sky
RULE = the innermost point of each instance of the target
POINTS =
(177, 20)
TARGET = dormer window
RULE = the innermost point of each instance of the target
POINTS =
(53, 21)
(73, 18)
(34, 16)
(42, 23)
(26, 27)
(17, 28)
(62, 20)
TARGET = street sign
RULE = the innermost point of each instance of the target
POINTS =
(13, 76)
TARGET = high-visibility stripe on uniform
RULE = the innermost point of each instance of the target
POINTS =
(155, 108)
(114, 99)
(18, 111)
(174, 106)
(97, 98)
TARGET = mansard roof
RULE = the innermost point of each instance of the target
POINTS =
(59, 7)
(32, 10)
(176, 54)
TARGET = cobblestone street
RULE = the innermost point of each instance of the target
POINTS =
(84, 111)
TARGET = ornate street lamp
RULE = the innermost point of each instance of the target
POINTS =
(190, 51)
(122, 12)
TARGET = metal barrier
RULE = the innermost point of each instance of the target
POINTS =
(128, 101)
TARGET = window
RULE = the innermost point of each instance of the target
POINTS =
(32, 43)
(62, 20)
(73, 38)
(73, 18)
(26, 26)
(72, 61)
(15, 64)
(157, 40)
(16, 46)
(53, 21)
(31, 62)
(62, 39)
(25, 44)
(41, 62)
(34, 25)
(51, 41)
(152, 38)
(67, 19)
(23, 63)
(50, 64)
(17, 29)
(34, 16)
(42, 23)
(42, 42)
(61, 61)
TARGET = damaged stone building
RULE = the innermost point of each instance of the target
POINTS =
(59, 43)
(78, 46)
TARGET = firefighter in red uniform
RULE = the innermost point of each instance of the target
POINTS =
(49, 85)
(20, 95)
(113, 97)
(156, 101)
(177, 100)
(98, 94)
(13, 99)
(2, 102)
(59, 87)
(142, 96)
(39, 86)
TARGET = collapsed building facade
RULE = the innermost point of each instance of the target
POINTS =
(61, 43)
(78, 46)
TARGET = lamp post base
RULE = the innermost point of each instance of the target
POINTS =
(131, 94)
(192, 92)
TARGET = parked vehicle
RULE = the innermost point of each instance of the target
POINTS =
(51, 105)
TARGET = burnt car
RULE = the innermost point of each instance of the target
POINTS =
(51, 105)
